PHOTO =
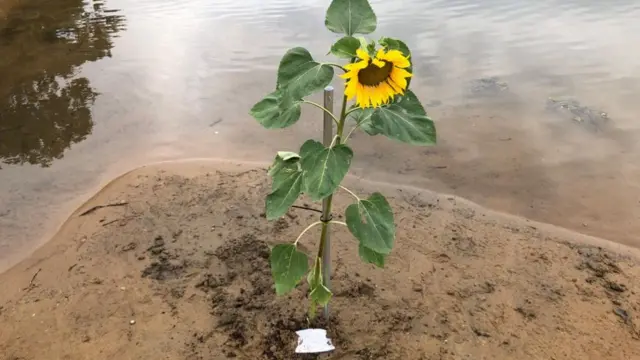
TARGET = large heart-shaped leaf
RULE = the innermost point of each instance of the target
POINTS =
(300, 75)
(362, 118)
(284, 160)
(405, 121)
(323, 168)
(371, 257)
(346, 47)
(276, 111)
(350, 17)
(371, 222)
(288, 266)
(286, 184)
(284, 194)
(410, 103)
(284, 164)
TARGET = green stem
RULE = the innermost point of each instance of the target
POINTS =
(305, 230)
(337, 66)
(343, 117)
(346, 138)
(326, 215)
(350, 192)
(351, 110)
(335, 119)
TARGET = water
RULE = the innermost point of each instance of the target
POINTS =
(90, 90)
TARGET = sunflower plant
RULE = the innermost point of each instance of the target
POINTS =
(377, 100)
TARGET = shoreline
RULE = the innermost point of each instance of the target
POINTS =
(187, 165)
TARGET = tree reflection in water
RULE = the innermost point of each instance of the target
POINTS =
(44, 106)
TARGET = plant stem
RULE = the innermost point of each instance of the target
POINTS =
(346, 138)
(343, 117)
(340, 223)
(351, 110)
(326, 215)
(337, 66)
(323, 235)
(335, 119)
(305, 230)
(350, 192)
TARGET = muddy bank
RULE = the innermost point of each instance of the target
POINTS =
(178, 268)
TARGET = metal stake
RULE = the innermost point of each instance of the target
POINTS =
(327, 138)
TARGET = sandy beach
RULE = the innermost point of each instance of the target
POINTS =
(170, 261)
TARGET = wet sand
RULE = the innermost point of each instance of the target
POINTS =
(178, 270)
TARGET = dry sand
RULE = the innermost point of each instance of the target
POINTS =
(180, 271)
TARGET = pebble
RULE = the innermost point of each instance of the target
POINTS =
(132, 322)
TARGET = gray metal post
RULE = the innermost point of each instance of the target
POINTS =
(327, 138)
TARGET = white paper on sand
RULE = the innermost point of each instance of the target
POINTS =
(313, 341)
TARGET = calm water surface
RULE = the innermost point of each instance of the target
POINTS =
(89, 90)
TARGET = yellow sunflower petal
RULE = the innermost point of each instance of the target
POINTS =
(363, 55)
(388, 91)
(402, 72)
(399, 77)
(368, 96)
(394, 87)
(373, 95)
(350, 89)
(349, 75)
(397, 58)
(364, 97)
(381, 95)
(378, 63)
(357, 65)
(359, 95)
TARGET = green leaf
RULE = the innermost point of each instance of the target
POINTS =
(300, 75)
(405, 121)
(346, 47)
(395, 44)
(410, 103)
(285, 192)
(286, 184)
(288, 155)
(371, 257)
(320, 295)
(371, 222)
(288, 266)
(350, 17)
(276, 111)
(285, 161)
(323, 168)
(362, 118)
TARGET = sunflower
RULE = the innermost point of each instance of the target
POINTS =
(374, 81)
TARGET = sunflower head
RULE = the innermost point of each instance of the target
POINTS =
(375, 80)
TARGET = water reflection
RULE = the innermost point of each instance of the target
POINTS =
(45, 107)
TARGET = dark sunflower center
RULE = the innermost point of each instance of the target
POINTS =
(372, 75)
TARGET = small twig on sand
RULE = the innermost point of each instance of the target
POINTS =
(121, 203)
(111, 222)
(33, 278)
(306, 208)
